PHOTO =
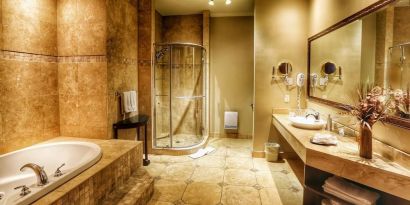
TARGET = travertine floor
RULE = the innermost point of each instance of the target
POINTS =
(179, 140)
(228, 176)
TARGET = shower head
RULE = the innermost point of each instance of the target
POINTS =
(159, 54)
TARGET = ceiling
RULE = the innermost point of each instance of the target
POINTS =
(185, 7)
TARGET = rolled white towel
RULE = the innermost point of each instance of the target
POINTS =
(324, 139)
(358, 195)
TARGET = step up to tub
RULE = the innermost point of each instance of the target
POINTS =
(137, 190)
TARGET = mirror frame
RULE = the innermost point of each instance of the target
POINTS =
(394, 120)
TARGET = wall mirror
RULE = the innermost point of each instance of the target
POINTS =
(369, 47)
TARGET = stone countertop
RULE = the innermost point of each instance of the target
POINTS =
(344, 160)
(111, 151)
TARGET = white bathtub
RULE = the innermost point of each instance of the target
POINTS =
(78, 156)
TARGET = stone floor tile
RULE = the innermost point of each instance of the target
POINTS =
(177, 172)
(239, 152)
(211, 161)
(240, 195)
(219, 151)
(202, 194)
(168, 190)
(208, 175)
(260, 164)
(152, 202)
(155, 169)
(239, 177)
(239, 163)
(270, 196)
(265, 179)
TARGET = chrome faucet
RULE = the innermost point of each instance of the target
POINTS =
(42, 178)
(314, 114)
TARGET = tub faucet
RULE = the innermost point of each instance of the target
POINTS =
(42, 178)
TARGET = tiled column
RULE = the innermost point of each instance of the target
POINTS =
(145, 46)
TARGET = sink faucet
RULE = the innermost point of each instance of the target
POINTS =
(42, 178)
(314, 114)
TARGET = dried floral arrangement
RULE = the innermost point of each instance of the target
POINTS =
(372, 107)
(400, 102)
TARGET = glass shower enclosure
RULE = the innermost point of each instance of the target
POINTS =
(179, 95)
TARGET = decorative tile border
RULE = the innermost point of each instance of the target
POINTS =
(30, 57)
(81, 59)
(144, 62)
(126, 61)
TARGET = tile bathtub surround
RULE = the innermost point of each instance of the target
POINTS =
(118, 168)
(227, 176)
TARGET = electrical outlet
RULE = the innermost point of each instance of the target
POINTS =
(286, 98)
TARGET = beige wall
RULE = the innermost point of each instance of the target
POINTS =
(280, 33)
(28, 73)
(325, 13)
(81, 36)
(231, 72)
(122, 64)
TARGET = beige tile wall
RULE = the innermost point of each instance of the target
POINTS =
(28, 82)
(82, 29)
(54, 73)
(122, 58)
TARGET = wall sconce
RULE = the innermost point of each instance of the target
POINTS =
(284, 71)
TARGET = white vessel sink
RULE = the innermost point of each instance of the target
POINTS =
(307, 123)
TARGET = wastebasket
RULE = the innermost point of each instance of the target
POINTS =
(271, 152)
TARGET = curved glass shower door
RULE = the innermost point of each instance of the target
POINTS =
(180, 95)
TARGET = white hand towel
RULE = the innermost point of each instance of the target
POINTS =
(133, 104)
(126, 100)
(358, 195)
(324, 139)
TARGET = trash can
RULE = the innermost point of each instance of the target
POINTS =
(271, 152)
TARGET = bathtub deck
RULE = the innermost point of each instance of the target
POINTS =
(120, 162)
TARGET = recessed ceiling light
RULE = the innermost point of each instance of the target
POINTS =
(211, 2)
(227, 2)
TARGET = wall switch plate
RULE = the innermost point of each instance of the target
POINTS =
(286, 98)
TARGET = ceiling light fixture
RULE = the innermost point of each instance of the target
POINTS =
(227, 2)
(211, 2)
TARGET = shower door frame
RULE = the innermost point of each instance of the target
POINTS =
(205, 114)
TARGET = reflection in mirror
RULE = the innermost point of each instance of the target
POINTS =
(373, 50)
(328, 68)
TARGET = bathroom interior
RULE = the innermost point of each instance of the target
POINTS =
(207, 102)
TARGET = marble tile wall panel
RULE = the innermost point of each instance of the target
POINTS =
(122, 53)
(29, 103)
(30, 27)
(83, 99)
(81, 40)
(28, 74)
(185, 29)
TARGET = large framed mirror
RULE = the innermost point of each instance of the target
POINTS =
(371, 47)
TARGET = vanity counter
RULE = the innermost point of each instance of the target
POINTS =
(343, 160)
